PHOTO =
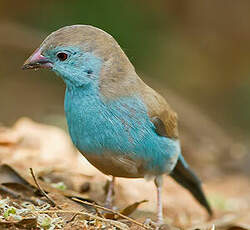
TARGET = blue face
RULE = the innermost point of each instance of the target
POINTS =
(76, 67)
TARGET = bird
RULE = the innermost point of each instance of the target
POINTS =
(120, 125)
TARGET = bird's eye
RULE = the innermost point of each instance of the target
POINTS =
(62, 56)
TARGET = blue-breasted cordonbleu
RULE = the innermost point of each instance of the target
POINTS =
(121, 125)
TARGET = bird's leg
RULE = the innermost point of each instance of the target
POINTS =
(109, 196)
(158, 183)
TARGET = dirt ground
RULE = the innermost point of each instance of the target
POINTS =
(65, 175)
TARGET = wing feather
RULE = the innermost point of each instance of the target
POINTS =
(158, 108)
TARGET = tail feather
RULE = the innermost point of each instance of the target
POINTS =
(187, 178)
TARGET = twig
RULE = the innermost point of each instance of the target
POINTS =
(18, 195)
(114, 212)
(73, 217)
(112, 222)
(41, 190)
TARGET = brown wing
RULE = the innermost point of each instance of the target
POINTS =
(161, 114)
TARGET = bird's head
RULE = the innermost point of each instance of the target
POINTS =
(81, 55)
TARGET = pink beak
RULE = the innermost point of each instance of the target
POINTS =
(37, 60)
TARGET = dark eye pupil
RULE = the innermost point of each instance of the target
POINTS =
(62, 56)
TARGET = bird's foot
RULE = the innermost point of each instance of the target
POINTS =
(109, 200)
(110, 193)
(108, 204)
(156, 225)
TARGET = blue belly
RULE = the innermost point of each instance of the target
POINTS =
(119, 127)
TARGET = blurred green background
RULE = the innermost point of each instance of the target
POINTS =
(200, 50)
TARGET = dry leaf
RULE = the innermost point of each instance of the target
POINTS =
(126, 211)
(224, 222)
(239, 227)
(8, 137)
(12, 179)
(131, 208)
(9, 175)
(26, 223)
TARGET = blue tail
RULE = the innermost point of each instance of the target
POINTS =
(187, 178)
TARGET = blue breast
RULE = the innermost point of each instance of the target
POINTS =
(120, 126)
